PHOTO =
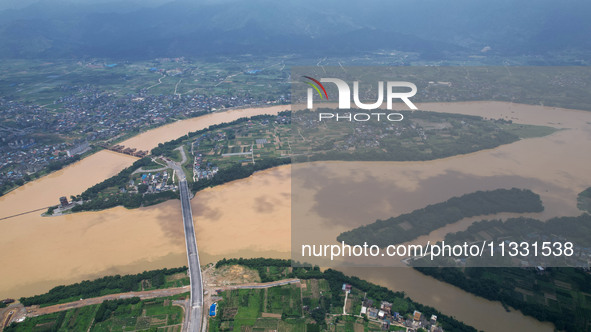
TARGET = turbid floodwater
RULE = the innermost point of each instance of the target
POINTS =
(251, 217)
(151, 138)
(37, 253)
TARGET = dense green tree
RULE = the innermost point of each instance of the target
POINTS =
(101, 286)
(425, 220)
(142, 188)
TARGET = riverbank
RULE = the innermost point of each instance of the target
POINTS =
(251, 217)
(149, 138)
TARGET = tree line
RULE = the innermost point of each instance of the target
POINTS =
(395, 151)
(584, 200)
(575, 229)
(102, 286)
(236, 172)
(130, 201)
(107, 308)
(423, 221)
(500, 286)
(119, 180)
(259, 264)
(165, 149)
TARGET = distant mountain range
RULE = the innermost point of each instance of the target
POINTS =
(435, 29)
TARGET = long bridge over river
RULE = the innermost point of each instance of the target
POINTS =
(194, 312)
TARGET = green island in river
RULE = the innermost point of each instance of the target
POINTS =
(235, 150)
(558, 293)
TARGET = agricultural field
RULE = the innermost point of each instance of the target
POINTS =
(297, 307)
(159, 314)
(556, 86)
(242, 143)
(43, 82)
(320, 301)
(276, 308)
(422, 135)
(313, 290)
(308, 306)
(268, 79)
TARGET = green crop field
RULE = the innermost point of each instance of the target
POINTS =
(247, 308)
(294, 308)
(284, 300)
(149, 315)
(44, 82)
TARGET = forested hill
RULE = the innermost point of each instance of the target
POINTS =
(434, 29)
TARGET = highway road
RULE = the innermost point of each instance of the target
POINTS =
(266, 285)
(194, 316)
(196, 304)
(34, 311)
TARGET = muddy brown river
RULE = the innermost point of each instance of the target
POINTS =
(252, 217)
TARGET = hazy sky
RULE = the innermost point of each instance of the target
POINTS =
(436, 27)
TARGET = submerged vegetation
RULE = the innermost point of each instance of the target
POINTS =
(409, 226)
(556, 295)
